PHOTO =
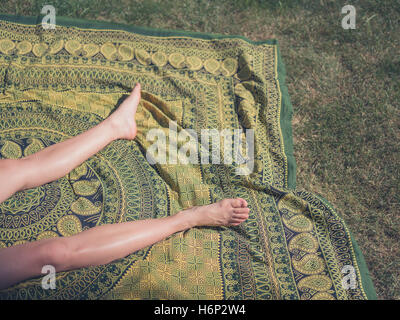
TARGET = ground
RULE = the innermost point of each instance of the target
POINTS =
(345, 90)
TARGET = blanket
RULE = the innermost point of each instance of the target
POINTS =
(221, 105)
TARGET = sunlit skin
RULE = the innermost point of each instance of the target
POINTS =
(102, 244)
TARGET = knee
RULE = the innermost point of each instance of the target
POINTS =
(57, 253)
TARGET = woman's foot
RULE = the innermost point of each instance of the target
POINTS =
(122, 120)
(227, 212)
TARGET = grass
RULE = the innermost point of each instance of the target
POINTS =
(344, 86)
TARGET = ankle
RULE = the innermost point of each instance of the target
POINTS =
(113, 127)
(186, 221)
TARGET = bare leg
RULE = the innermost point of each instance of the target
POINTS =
(106, 243)
(103, 244)
(59, 159)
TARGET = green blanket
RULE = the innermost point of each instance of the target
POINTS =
(56, 83)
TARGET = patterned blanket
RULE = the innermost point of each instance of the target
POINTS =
(56, 83)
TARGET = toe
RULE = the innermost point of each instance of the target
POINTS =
(136, 89)
(237, 203)
(240, 216)
(241, 210)
(236, 222)
(243, 202)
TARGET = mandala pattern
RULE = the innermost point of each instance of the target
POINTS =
(92, 194)
(59, 83)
